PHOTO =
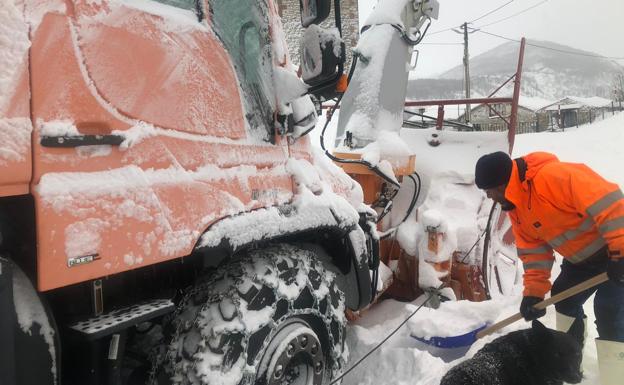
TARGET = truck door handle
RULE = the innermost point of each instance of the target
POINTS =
(67, 141)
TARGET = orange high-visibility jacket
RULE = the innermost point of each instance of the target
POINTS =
(565, 207)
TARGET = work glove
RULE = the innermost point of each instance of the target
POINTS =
(528, 311)
(615, 270)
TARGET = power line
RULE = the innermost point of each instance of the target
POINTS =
(478, 18)
(492, 11)
(515, 14)
(551, 48)
(442, 43)
(437, 32)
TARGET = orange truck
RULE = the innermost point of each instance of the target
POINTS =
(163, 217)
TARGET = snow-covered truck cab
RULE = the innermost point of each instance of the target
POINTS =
(163, 218)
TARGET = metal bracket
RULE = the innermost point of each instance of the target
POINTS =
(414, 59)
(98, 297)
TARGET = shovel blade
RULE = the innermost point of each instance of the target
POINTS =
(445, 354)
(450, 342)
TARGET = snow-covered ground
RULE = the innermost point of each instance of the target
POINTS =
(400, 361)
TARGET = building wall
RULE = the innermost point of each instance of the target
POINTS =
(291, 19)
(485, 121)
(543, 121)
(574, 117)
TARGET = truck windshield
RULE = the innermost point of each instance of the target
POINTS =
(243, 27)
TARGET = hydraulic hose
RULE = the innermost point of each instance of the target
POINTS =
(417, 189)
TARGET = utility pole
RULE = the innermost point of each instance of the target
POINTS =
(466, 71)
(464, 27)
(619, 87)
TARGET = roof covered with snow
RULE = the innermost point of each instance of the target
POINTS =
(534, 103)
(573, 102)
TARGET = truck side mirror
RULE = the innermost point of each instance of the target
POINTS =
(322, 59)
(314, 11)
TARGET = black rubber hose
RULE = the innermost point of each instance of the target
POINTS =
(416, 195)
(417, 189)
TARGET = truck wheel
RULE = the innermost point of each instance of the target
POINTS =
(29, 338)
(276, 316)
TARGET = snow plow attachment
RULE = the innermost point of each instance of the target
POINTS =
(28, 341)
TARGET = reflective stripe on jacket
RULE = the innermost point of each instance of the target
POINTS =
(565, 207)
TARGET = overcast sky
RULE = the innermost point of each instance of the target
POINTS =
(591, 25)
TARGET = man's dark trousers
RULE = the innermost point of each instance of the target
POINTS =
(608, 303)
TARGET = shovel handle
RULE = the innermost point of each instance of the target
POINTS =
(600, 278)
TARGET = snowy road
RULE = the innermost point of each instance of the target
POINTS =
(400, 361)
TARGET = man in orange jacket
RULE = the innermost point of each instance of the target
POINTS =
(570, 209)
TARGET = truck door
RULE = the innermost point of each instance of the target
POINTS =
(15, 124)
(152, 123)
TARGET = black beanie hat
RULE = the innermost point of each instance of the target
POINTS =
(493, 170)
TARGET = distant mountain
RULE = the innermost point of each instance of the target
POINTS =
(547, 74)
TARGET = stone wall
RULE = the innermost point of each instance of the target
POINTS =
(291, 19)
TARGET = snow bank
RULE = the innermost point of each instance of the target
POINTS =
(402, 360)
(599, 145)
(397, 362)
(457, 152)
(443, 322)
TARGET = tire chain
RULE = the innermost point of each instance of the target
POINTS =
(230, 272)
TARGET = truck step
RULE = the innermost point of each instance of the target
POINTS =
(120, 319)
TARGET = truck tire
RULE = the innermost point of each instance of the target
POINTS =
(276, 316)
(29, 339)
